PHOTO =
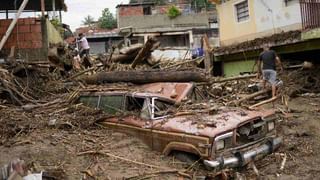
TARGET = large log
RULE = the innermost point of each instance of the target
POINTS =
(140, 77)
(131, 49)
(123, 58)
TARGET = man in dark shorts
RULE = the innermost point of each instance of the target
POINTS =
(267, 63)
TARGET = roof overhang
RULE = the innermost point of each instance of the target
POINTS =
(33, 5)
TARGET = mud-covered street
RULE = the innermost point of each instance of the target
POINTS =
(159, 89)
(65, 141)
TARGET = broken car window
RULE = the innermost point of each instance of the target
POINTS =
(138, 106)
(145, 111)
(134, 104)
(161, 108)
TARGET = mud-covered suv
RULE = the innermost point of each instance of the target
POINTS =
(227, 137)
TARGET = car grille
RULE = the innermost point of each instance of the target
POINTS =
(251, 131)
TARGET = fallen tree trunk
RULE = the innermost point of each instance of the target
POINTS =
(122, 58)
(141, 77)
(131, 49)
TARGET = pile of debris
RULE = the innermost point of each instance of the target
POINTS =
(135, 57)
(301, 81)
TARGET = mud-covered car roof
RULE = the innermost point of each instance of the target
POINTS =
(172, 92)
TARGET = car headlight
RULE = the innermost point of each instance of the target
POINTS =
(270, 126)
(220, 141)
(219, 144)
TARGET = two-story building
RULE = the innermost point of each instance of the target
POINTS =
(180, 33)
(290, 26)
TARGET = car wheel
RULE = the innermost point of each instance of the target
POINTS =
(188, 158)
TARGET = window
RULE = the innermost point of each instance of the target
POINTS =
(160, 109)
(138, 106)
(91, 101)
(242, 11)
(134, 104)
(147, 10)
(111, 104)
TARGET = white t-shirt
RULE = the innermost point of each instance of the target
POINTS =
(84, 43)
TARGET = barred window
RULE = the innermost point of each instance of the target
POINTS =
(242, 11)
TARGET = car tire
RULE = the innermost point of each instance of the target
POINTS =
(185, 157)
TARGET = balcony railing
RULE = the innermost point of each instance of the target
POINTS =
(310, 14)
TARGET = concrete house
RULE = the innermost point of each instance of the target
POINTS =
(290, 26)
(179, 33)
(32, 35)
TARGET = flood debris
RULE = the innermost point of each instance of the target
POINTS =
(40, 110)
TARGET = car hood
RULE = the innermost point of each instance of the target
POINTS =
(209, 125)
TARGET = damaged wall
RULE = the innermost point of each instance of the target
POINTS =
(26, 37)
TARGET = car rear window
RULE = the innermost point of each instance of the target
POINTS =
(91, 101)
(111, 104)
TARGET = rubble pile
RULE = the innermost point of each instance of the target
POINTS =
(301, 81)
(40, 102)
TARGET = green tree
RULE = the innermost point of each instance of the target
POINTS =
(107, 20)
(88, 20)
(173, 12)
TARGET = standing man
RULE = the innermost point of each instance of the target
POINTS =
(84, 50)
(267, 63)
(83, 45)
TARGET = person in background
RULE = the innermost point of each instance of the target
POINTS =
(83, 45)
(84, 50)
(267, 63)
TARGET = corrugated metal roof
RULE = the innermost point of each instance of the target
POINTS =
(33, 5)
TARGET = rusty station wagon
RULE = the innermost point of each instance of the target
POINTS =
(230, 137)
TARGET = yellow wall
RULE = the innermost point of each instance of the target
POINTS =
(229, 27)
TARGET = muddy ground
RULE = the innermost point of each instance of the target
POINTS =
(74, 147)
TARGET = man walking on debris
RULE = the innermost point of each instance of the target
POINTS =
(84, 45)
(267, 63)
(84, 50)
